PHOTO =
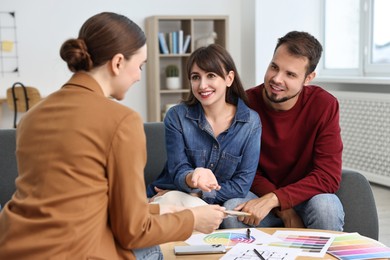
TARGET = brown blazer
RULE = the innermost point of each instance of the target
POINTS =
(80, 190)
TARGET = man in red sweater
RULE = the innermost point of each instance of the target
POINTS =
(299, 168)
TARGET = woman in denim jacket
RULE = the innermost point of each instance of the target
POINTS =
(212, 138)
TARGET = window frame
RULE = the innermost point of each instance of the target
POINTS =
(365, 67)
(370, 68)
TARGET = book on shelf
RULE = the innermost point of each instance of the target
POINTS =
(162, 43)
(174, 42)
(170, 42)
(180, 41)
(186, 43)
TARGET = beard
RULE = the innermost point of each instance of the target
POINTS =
(274, 98)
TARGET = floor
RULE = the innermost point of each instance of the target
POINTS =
(382, 196)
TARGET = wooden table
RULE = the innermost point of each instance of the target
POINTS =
(167, 248)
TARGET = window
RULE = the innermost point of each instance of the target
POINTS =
(380, 47)
(356, 38)
(341, 34)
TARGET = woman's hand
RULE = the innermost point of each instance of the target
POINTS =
(203, 179)
(208, 218)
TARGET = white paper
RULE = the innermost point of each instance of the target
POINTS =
(246, 251)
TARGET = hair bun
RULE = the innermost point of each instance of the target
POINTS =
(75, 53)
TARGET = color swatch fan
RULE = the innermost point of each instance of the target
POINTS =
(232, 237)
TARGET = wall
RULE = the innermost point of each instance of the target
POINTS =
(43, 25)
(275, 18)
(254, 26)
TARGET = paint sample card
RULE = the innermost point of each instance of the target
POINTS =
(230, 238)
(355, 246)
(314, 244)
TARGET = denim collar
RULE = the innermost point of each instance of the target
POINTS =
(196, 113)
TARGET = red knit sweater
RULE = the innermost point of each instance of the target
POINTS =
(300, 148)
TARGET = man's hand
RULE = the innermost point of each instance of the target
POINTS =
(259, 208)
(290, 218)
(203, 179)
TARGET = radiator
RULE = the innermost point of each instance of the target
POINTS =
(365, 131)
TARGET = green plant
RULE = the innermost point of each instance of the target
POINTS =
(171, 71)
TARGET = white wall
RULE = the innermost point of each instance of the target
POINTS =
(43, 25)
(277, 17)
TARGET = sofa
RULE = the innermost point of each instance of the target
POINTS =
(355, 191)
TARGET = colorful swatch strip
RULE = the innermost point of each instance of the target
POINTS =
(355, 246)
(228, 239)
(311, 243)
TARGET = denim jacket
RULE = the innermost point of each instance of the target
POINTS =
(232, 156)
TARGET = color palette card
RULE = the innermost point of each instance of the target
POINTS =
(230, 238)
(313, 244)
(355, 246)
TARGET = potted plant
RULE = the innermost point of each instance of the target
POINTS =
(172, 77)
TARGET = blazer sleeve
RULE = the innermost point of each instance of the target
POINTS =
(131, 217)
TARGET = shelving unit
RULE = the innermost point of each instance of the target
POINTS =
(159, 97)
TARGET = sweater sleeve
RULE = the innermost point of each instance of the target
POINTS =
(262, 185)
(134, 222)
(326, 152)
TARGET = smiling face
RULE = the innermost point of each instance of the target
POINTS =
(208, 87)
(128, 73)
(284, 79)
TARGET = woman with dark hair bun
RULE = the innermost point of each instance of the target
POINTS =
(80, 193)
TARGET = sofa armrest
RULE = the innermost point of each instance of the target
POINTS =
(359, 204)
(8, 166)
(156, 152)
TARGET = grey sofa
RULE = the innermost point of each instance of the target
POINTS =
(355, 192)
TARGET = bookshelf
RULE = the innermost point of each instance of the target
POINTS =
(197, 27)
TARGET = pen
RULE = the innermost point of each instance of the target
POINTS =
(258, 254)
(248, 233)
